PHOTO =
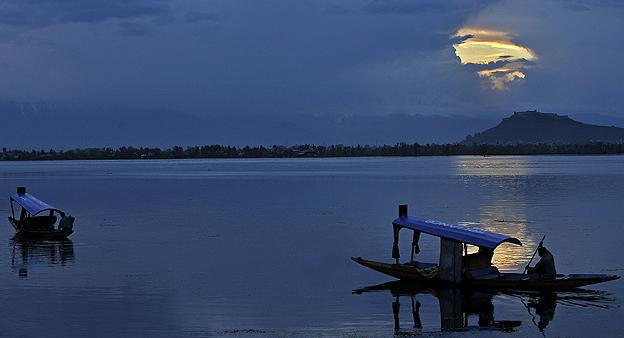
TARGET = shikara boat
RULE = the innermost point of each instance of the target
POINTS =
(451, 268)
(38, 219)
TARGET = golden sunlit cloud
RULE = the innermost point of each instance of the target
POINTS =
(470, 31)
(481, 46)
(482, 51)
(501, 76)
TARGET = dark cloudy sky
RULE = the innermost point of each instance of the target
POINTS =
(312, 56)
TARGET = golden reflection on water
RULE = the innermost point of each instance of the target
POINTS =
(507, 256)
(493, 166)
(503, 206)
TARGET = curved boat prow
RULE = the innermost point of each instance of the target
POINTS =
(608, 278)
(415, 271)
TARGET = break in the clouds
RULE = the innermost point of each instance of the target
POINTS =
(503, 60)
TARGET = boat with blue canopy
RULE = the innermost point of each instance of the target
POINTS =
(34, 218)
(456, 266)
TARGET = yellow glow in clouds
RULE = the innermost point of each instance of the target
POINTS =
(484, 46)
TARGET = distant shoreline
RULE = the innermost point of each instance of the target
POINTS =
(309, 151)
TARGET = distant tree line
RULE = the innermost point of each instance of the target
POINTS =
(308, 150)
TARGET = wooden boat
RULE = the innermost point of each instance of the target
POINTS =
(38, 219)
(452, 270)
(423, 272)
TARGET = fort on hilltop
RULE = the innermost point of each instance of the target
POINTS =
(534, 127)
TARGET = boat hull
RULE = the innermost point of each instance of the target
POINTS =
(400, 271)
(504, 281)
(516, 281)
(23, 232)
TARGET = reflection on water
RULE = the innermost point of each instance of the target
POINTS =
(544, 306)
(503, 205)
(504, 211)
(493, 166)
(27, 253)
(473, 310)
(459, 310)
(541, 305)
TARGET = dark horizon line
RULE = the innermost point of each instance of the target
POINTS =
(310, 151)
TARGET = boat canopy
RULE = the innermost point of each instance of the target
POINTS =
(32, 204)
(454, 232)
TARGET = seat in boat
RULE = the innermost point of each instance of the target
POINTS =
(490, 272)
(40, 222)
(421, 265)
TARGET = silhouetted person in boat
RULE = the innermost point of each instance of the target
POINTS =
(478, 260)
(545, 268)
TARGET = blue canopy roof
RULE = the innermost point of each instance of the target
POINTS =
(31, 203)
(458, 233)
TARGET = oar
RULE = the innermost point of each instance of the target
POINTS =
(526, 268)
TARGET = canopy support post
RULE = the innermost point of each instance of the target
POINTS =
(415, 247)
(450, 261)
(395, 245)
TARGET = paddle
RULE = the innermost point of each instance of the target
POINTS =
(526, 268)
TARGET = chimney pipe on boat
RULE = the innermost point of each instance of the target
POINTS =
(402, 210)
(21, 190)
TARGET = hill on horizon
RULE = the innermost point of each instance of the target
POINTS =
(532, 127)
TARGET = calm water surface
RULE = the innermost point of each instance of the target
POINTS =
(261, 247)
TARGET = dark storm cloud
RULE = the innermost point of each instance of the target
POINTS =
(402, 6)
(39, 13)
(196, 16)
(336, 9)
(131, 28)
(577, 7)
(424, 6)
(586, 5)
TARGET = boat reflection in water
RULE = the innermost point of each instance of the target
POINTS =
(27, 253)
(458, 305)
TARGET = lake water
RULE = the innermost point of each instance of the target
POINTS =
(262, 247)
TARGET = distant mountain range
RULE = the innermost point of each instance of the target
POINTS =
(532, 127)
(44, 125)
(39, 125)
